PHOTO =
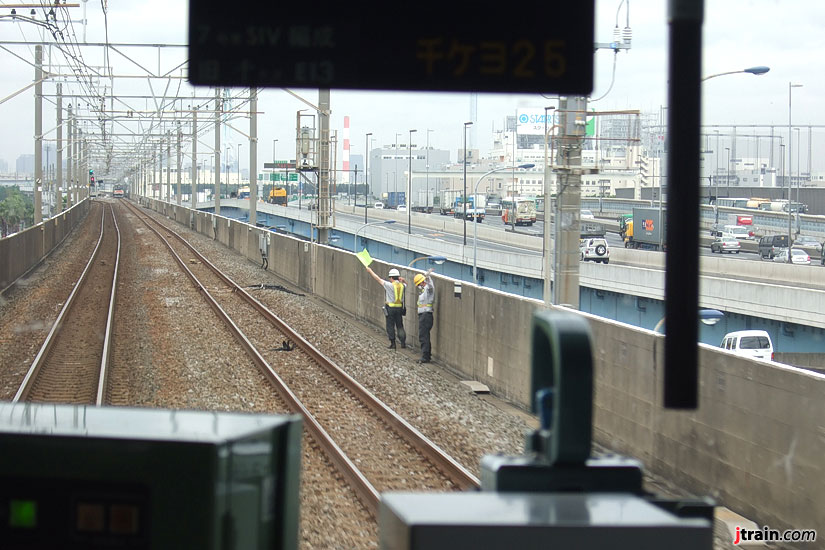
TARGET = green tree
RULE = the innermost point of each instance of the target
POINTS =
(14, 209)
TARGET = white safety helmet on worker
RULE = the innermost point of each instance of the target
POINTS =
(394, 273)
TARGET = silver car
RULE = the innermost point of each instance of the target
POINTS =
(806, 241)
(798, 256)
(725, 244)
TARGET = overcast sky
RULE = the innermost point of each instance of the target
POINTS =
(782, 34)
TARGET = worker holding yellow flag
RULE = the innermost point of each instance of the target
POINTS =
(394, 309)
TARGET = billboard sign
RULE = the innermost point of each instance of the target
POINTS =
(530, 121)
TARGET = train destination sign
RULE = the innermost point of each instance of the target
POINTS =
(428, 45)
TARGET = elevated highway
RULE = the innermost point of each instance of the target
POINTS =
(786, 300)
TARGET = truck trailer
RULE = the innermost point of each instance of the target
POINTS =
(394, 199)
(447, 201)
(645, 230)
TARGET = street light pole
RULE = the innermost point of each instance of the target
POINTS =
(727, 172)
(395, 172)
(791, 86)
(408, 200)
(716, 179)
(238, 160)
(366, 173)
(475, 224)
(355, 237)
(428, 169)
(751, 70)
(464, 197)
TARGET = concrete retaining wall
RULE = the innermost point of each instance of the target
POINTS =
(25, 250)
(756, 443)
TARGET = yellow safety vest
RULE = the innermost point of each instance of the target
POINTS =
(399, 294)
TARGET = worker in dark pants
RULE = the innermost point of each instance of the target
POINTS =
(393, 305)
(426, 297)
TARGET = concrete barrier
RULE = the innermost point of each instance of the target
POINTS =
(755, 443)
(23, 252)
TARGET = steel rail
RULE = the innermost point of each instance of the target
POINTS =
(365, 491)
(103, 377)
(43, 354)
(455, 471)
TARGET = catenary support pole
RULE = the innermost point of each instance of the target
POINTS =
(253, 156)
(217, 191)
(38, 134)
(193, 183)
(58, 207)
(177, 191)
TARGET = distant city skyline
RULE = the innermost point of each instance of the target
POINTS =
(783, 36)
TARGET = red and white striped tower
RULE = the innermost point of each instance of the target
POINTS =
(345, 177)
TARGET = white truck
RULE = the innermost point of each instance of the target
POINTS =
(447, 201)
(471, 209)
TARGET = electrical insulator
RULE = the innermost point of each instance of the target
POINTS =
(617, 35)
(627, 34)
(306, 135)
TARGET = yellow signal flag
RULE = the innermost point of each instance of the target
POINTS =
(365, 257)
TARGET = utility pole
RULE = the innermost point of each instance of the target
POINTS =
(177, 193)
(168, 168)
(568, 201)
(85, 191)
(69, 173)
(193, 185)
(548, 191)
(253, 156)
(159, 182)
(324, 202)
(217, 191)
(76, 159)
(38, 133)
(59, 151)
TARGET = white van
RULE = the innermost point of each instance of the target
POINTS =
(755, 344)
(738, 232)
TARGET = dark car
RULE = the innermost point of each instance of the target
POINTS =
(771, 245)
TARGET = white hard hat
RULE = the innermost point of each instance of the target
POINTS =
(394, 273)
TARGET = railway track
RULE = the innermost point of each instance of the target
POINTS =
(73, 363)
(373, 448)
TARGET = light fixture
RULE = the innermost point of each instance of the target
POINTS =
(710, 316)
(437, 260)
